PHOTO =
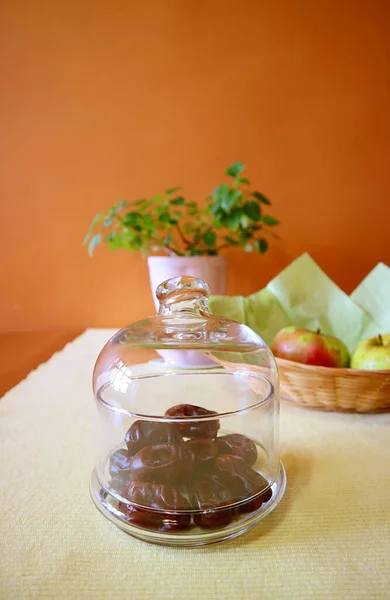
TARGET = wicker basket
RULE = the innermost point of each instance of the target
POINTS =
(326, 388)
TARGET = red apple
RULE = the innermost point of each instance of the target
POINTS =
(373, 354)
(310, 347)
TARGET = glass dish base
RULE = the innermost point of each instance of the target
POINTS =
(194, 536)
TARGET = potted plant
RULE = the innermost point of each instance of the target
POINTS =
(190, 236)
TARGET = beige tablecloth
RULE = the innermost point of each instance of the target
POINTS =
(329, 537)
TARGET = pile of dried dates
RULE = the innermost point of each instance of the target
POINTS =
(174, 471)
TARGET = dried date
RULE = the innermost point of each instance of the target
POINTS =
(242, 481)
(198, 429)
(144, 433)
(149, 503)
(162, 463)
(202, 451)
(213, 498)
(239, 445)
(156, 520)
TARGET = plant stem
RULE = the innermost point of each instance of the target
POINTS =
(182, 236)
(170, 251)
(380, 338)
(274, 235)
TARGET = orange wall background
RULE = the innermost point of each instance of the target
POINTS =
(104, 100)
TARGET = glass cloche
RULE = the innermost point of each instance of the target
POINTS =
(188, 448)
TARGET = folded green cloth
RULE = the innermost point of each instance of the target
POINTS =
(303, 295)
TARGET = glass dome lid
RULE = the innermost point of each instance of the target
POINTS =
(188, 444)
(183, 335)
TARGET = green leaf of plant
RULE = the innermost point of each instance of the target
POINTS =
(159, 198)
(164, 218)
(130, 219)
(230, 198)
(248, 247)
(244, 180)
(171, 191)
(107, 222)
(261, 198)
(148, 223)
(217, 224)
(95, 241)
(268, 220)
(115, 209)
(210, 238)
(211, 252)
(136, 243)
(235, 169)
(245, 235)
(219, 193)
(261, 245)
(233, 219)
(142, 204)
(159, 210)
(97, 218)
(113, 240)
(252, 210)
(178, 201)
(187, 228)
(214, 209)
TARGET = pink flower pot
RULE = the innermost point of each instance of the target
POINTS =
(212, 269)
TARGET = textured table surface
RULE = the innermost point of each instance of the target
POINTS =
(329, 537)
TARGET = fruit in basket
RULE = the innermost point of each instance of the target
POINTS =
(372, 354)
(310, 347)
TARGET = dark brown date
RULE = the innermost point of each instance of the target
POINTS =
(207, 429)
(202, 452)
(210, 496)
(256, 502)
(162, 463)
(144, 433)
(156, 520)
(239, 445)
(242, 481)
(149, 503)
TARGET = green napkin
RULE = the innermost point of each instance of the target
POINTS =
(373, 296)
(303, 295)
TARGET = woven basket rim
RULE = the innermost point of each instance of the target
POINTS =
(329, 371)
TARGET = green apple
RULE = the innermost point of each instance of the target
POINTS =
(372, 354)
(310, 347)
